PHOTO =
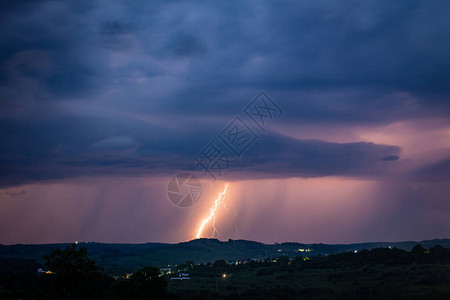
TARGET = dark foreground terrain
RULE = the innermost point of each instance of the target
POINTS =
(119, 259)
(376, 274)
(379, 273)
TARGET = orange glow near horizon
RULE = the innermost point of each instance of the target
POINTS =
(212, 212)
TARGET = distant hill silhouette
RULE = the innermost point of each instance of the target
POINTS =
(121, 258)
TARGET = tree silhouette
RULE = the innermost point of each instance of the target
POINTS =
(418, 249)
(147, 284)
(75, 275)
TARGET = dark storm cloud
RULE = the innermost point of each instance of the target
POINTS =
(390, 157)
(438, 171)
(116, 34)
(397, 46)
(113, 87)
(61, 149)
(185, 45)
(49, 28)
(283, 157)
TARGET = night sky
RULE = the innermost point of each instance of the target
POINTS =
(102, 102)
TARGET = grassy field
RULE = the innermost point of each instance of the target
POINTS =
(374, 282)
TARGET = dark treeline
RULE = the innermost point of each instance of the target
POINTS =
(73, 275)
(376, 256)
(387, 256)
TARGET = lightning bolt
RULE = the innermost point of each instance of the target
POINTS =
(212, 213)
